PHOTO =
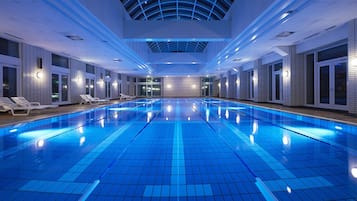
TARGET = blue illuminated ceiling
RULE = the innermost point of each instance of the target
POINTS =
(152, 10)
(177, 9)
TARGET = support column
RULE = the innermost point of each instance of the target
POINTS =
(352, 68)
(260, 82)
(293, 77)
(242, 91)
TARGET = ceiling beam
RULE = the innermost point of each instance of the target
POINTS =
(177, 30)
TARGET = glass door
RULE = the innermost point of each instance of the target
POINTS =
(9, 81)
(332, 84)
(107, 89)
(277, 88)
(276, 85)
(251, 79)
(60, 88)
(90, 86)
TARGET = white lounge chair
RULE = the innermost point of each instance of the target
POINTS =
(126, 97)
(87, 98)
(6, 105)
(97, 100)
(19, 100)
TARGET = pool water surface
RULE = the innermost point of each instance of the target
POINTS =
(179, 149)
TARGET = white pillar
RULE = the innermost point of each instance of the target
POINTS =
(293, 78)
(352, 68)
(260, 82)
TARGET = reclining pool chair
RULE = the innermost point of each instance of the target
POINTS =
(6, 105)
(126, 97)
(19, 100)
(87, 98)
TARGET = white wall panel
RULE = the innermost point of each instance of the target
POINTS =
(181, 86)
(352, 68)
(77, 80)
(34, 88)
(100, 85)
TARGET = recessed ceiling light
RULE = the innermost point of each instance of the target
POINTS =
(74, 37)
(237, 49)
(117, 60)
(286, 14)
(284, 34)
(254, 37)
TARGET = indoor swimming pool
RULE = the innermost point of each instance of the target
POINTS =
(179, 149)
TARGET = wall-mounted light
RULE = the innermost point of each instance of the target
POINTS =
(79, 80)
(100, 82)
(286, 73)
(39, 62)
(354, 61)
(219, 84)
(40, 143)
(227, 84)
(39, 74)
(194, 86)
(354, 172)
(115, 84)
(169, 86)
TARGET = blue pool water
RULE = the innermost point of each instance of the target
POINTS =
(179, 149)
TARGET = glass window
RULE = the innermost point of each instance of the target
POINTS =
(60, 61)
(9, 48)
(90, 69)
(156, 90)
(332, 53)
(142, 79)
(142, 90)
(278, 66)
(157, 79)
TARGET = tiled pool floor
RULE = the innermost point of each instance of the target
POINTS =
(175, 149)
